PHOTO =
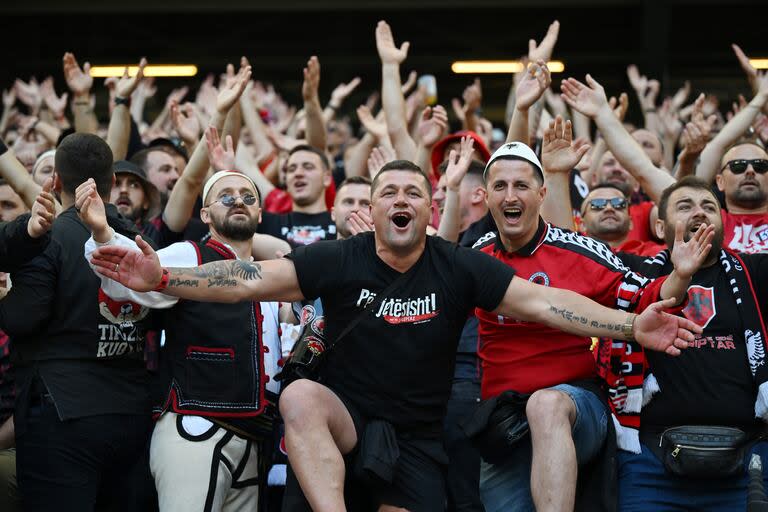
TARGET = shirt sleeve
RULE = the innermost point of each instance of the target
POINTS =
(484, 278)
(16, 246)
(177, 255)
(318, 267)
(27, 307)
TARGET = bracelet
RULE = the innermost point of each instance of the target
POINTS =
(122, 101)
(628, 329)
(163, 284)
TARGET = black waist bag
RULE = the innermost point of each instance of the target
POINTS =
(704, 451)
(498, 424)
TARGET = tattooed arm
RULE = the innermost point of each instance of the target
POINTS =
(576, 314)
(220, 281)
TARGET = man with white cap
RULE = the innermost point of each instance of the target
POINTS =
(216, 396)
(567, 410)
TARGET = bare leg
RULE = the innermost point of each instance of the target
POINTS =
(551, 415)
(318, 432)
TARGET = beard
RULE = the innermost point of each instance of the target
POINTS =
(235, 229)
(717, 240)
(753, 198)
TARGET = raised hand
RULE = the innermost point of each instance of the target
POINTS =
(222, 158)
(660, 331)
(409, 83)
(233, 88)
(747, 66)
(375, 126)
(56, 104)
(43, 211)
(385, 44)
(680, 97)
(638, 82)
(588, 100)
(619, 106)
(176, 96)
(543, 51)
(139, 271)
(125, 85)
(311, 80)
(342, 91)
(9, 97)
(473, 97)
(458, 163)
(360, 222)
(379, 157)
(532, 85)
(432, 125)
(185, 121)
(560, 153)
(29, 93)
(670, 122)
(78, 80)
(90, 209)
(688, 256)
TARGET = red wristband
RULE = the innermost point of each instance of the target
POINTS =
(163, 284)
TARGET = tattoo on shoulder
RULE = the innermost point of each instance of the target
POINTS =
(219, 274)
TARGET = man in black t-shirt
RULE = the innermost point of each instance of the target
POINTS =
(307, 175)
(384, 386)
(718, 381)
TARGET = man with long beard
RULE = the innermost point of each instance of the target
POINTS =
(217, 362)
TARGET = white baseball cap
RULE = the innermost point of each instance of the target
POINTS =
(516, 150)
(223, 174)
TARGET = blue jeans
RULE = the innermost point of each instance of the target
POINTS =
(644, 485)
(507, 487)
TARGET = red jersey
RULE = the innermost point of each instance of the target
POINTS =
(639, 248)
(525, 356)
(745, 232)
(641, 221)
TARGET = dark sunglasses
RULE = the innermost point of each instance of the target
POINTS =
(617, 203)
(760, 165)
(229, 201)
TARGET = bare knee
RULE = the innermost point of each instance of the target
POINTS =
(550, 408)
(300, 402)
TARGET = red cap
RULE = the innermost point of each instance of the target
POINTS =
(438, 151)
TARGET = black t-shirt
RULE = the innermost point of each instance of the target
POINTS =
(397, 363)
(298, 228)
(710, 383)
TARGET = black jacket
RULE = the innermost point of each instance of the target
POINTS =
(16, 246)
(69, 338)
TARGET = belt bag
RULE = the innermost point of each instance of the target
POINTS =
(497, 426)
(704, 451)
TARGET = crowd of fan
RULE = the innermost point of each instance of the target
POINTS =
(309, 168)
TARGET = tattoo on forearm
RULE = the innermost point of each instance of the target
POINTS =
(574, 318)
(219, 274)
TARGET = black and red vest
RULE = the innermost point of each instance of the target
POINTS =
(212, 364)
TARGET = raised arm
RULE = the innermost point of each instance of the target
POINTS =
(119, 131)
(220, 281)
(80, 82)
(392, 99)
(558, 156)
(576, 314)
(338, 95)
(181, 202)
(458, 165)
(591, 101)
(530, 89)
(432, 126)
(316, 136)
(709, 163)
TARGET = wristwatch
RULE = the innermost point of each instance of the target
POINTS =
(628, 329)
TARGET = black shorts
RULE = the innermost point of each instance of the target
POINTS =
(418, 484)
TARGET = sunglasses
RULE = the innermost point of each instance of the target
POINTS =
(760, 166)
(617, 203)
(229, 201)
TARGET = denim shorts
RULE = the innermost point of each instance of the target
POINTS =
(507, 487)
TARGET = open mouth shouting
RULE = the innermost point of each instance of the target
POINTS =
(512, 214)
(401, 220)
